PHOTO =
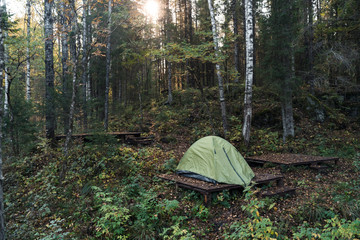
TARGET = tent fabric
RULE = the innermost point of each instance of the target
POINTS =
(214, 159)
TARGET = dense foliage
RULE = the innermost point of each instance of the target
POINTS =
(162, 82)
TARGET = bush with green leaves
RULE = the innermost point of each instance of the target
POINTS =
(111, 222)
(254, 226)
(334, 228)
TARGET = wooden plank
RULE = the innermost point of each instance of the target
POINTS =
(282, 191)
(206, 188)
(290, 159)
(115, 134)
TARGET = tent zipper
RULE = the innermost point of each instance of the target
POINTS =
(233, 167)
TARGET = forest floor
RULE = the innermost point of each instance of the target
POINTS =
(109, 190)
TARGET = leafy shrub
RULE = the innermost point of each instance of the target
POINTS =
(334, 228)
(112, 220)
(255, 226)
(313, 210)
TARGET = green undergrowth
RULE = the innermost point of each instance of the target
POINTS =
(258, 226)
(96, 192)
(106, 190)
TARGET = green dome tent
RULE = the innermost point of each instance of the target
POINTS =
(214, 159)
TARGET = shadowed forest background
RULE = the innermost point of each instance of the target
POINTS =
(275, 76)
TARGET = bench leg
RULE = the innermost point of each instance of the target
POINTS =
(207, 199)
(280, 182)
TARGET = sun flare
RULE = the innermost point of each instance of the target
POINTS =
(151, 9)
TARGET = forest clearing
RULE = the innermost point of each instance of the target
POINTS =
(179, 119)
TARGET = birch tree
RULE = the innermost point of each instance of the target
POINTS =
(168, 63)
(74, 57)
(3, 17)
(85, 60)
(217, 66)
(6, 60)
(249, 39)
(63, 13)
(28, 36)
(236, 42)
(49, 70)
(108, 61)
(89, 40)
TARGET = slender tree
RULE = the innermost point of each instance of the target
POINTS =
(85, 61)
(108, 62)
(249, 39)
(89, 40)
(3, 17)
(63, 12)
(74, 60)
(168, 39)
(49, 70)
(28, 36)
(236, 42)
(218, 70)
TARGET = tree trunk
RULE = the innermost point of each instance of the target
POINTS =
(89, 40)
(49, 70)
(28, 86)
(236, 42)
(108, 61)
(249, 38)
(170, 97)
(287, 112)
(6, 80)
(310, 46)
(218, 70)
(286, 106)
(74, 61)
(63, 13)
(2, 67)
(85, 63)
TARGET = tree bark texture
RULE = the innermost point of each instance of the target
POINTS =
(49, 70)
(218, 70)
(170, 96)
(2, 68)
(249, 39)
(73, 53)
(85, 62)
(236, 42)
(108, 61)
(63, 13)
(89, 40)
(28, 36)
(287, 112)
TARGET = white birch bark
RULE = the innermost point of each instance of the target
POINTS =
(6, 79)
(249, 39)
(6, 68)
(28, 19)
(2, 67)
(74, 57)
(84, 62)
(88, 79)
(236, 42)
(108, 61)
(218, 70)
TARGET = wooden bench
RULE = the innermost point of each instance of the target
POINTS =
(86, 136)
(286, 160)
(206, 188)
